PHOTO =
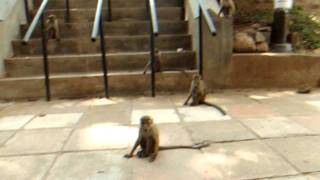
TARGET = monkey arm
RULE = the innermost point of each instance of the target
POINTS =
(146, 67)
(136, 144)
(155, 146)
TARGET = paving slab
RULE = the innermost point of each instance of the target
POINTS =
(243, 111)
(298, 177)
(54, 121)
(35, 141)
(315, 176)
(158, 102)
(108, 165)
(14, 122)
(25, 167)
(67, 106)
(174, 164)
(5, 104)
(160, 116)
(24, 108)
(275, 127)
(310, 122)
(102, 136)
(5, 135)
(173, 135)
(201, 113)
(220, 131)
(302, 152)
(247, 160)
(115, 113)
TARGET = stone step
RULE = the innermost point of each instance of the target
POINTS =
(68, 30)
(86, 85)
(33, 66)
(113, 44)
(60, 4)
(123, 14)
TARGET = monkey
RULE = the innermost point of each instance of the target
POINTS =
(52, 28)
(158, 67)
(148, 140)
(228, 8)
(198, 94)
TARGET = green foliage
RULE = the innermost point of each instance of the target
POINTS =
(307, 26)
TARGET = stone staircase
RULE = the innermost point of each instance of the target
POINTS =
(75, 61)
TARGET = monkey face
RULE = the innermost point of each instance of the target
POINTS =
(146, 122)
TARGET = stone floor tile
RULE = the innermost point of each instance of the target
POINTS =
(35, 141)
(244, 111)
(275, 127)
(67, 106)
(159, 116)
(4, 135)
(158, 102)
(116, 113)
(219, 131)
(310, 122)
(108, 165)
(303, 152)
(14, 122)
(5, 104)
(201, 113)
(175, 165)
(54, 121)
(102, 136)
(315, 176)
(298, 177)
(247, 160)
(173, 135)
(24, 108)
(25, 167)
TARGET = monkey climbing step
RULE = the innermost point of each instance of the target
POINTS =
(32, 66)
(91, 84)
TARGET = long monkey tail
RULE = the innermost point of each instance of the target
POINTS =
(216, 106)
(196, 146)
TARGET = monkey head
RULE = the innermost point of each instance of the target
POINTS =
(52, 17)
(196, 77)
(146, 122)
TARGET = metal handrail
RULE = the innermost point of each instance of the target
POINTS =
(40, 17)
(98, 29)
(154, 31)
(27, 11)
(67, 6)
(35, 21)
(203, 11)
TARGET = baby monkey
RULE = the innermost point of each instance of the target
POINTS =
(148, 140)
(198, 94)
(52, 28)
(228, 8)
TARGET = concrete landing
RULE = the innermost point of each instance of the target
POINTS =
(87, 138)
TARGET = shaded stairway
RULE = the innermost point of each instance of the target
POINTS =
(75, 61)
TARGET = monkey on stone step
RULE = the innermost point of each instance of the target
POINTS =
(148, 140)
(158, 67)
(52, 28)
(228, 8)
(198, 94)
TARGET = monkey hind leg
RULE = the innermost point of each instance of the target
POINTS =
(142, 154)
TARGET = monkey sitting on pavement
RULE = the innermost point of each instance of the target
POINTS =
(198, 94)
(228, 8)
(148, 140)
(52, 28)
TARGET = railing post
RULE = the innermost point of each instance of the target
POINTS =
(45, 58)
(27, 11)
(200, 43)
(67, 14)
(109, 11)
(104, 58)
(152, 50)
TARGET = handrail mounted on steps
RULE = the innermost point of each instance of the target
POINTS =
(203, 11)
(40, 17)
(151, 8)
(98, 30)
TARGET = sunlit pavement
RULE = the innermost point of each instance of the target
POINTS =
(266, 135)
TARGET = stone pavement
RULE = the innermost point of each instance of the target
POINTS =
(266, 135)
